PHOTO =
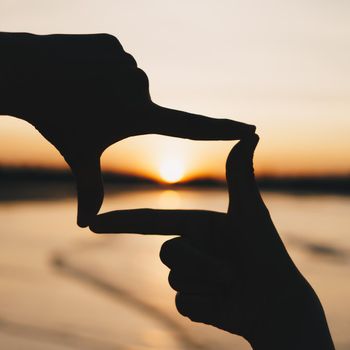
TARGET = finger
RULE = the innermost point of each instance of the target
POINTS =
(244, 195)
(189, 263)
(152, 221)
(187, 282)
(177, 252)
(197, 307)
(206, 278)
(89, 189)
(166, 121)
(191, 270)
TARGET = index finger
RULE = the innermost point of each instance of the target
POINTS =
(170, 122)
(159, 222)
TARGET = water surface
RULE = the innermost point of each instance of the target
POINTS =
(62, 287)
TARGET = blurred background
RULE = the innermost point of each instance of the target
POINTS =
(283, 66)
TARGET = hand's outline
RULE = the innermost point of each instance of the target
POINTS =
(232, 270)
(84, 93)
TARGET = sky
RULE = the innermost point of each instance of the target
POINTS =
(281, 65)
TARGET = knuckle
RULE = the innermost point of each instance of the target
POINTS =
(109, 39)
(163, 254)
(180, 304)
(96, 226)
(93, 228)
(173, 281)
(167, 249)
(191, 307)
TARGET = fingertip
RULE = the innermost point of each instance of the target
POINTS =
(198, 308)
(251, 128)
(252, 141)
(90, 193)
(246, 144)
(256, 138)
(82, 217)
(239, 130)
(166, 121)
(171, 250)
(252, 144)
(95, 224)
(87, 211)
(82, 222)
(93, 228)
(89, 203)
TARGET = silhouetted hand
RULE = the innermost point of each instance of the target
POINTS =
(232, 270)
(84, 93)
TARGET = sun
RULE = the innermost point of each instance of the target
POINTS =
(171, 170)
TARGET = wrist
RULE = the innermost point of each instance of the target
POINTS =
(296, 322)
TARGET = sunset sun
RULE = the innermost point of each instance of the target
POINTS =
(171, 170)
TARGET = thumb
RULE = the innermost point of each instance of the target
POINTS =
(89, 188)
(244, 195)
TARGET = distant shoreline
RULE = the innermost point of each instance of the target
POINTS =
(19, 182)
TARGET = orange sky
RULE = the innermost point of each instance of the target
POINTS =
(283, 66)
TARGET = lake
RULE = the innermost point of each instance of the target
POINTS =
(63, 287)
